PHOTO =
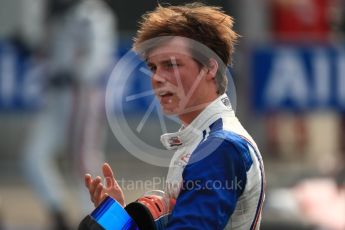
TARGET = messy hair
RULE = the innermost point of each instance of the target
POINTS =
(208, 25)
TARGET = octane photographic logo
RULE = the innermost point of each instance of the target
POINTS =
(119, 98)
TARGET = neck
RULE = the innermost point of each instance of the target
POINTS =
(190, 114)
(187, 118)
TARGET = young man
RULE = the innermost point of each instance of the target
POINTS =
(216, 174)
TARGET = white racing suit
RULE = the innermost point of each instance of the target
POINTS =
(216, 174)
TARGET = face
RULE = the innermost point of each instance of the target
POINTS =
(181, 84)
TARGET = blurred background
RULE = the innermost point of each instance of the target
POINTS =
(55, 60)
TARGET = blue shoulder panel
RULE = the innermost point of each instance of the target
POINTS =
(213, 180)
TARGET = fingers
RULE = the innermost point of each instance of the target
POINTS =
(108, 175)
(87, 180)
(93, 189)
(107, 171)
(109, 182)
(96, 189)
(98, 194)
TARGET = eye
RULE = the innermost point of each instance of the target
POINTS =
(172, 65)
(152, 68)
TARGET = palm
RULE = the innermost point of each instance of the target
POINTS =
(98, 192)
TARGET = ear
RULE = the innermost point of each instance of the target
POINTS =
(212, 69)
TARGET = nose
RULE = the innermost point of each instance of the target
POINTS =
(158, 77)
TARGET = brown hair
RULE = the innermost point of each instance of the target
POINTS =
(208, 25)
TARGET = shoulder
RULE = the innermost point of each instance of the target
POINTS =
(223, 147)
(219, 159)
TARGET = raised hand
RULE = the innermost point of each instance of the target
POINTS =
(98, 191)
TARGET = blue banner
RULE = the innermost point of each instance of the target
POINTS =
(20, 79)
(297, 78)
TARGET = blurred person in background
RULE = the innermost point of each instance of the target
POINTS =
(295, 22)
(319, 202)
(296, 133)
(80, 45)
(312, 22)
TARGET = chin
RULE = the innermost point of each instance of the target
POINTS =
(169, 111)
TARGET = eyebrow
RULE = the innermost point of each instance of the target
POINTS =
(164, 61)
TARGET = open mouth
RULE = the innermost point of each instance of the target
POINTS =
(165, 96)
